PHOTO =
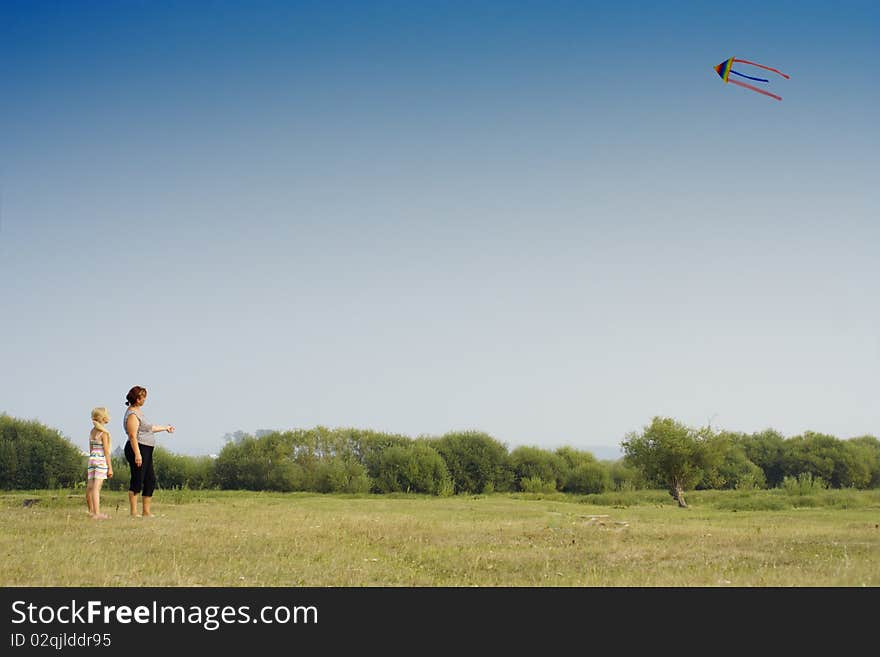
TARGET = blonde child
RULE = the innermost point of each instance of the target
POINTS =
(100, 466)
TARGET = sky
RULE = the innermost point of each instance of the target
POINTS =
(549, 221)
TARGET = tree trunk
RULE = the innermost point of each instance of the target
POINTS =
(677, 493)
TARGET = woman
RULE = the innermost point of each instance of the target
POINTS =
(139, 450)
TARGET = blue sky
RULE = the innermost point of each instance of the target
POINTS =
(549, 221)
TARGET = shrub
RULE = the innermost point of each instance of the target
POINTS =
(33, 455)
(804, 484)
(341, 475)
(867, 451)
(751, 481)
(245, 464)
(588, 478)
(121, 472)
(285, 476)
(476, 462)
(416, 468)
(837, 462)
(368, 446)
(765, 449)
(178, 470)
(536, 463)
(731, 466)
(537, 485)
(623, 477)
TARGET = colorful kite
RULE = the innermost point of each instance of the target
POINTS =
(724, 70)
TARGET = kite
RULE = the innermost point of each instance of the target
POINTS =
(724, 70)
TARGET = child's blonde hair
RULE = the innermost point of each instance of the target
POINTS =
(100, 415)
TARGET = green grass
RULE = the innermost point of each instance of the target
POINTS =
(639, 538)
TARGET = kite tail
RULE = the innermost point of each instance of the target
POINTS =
(748, 76)
(766, 68)
(760, 91)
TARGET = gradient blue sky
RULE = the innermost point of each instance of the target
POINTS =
(547, 220)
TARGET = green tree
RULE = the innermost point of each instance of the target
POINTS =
(669, 453)
(476, 462)
(414, 468)
(623, 476)
(765, 449)
(536, 463)
(369, 446)
(867, 450)
(242, 465)
(835, 461)
(588, 478)
(178, 470)
(341, 474)
(730, 467)
(583, 473)
(33, 455)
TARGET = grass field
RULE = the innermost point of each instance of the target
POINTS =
(226, 538)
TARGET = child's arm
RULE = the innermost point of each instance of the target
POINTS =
(105, 441)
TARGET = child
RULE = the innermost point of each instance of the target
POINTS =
(100, 466)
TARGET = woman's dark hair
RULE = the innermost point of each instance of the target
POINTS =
(134, 394)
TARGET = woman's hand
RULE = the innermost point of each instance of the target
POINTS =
(110, 473)
(138, 461)
(169, 429)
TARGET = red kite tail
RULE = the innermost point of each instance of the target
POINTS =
(760, 91)
(766, 68)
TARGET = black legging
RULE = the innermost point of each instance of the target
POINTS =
(142, 478)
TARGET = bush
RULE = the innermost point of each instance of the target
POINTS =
(729, 463)
(341, 475)
(751, 481)
(804, 484)
(243, 465)
(537, 485)
(623, 477)
(837, 462)
(178, 470)
(121, 472)
(368, 446)
(286, 475)
(535, 463)
(416, 468)
(33, 455)
(476, 462)
(867, 451)
(588, 478)
(765, 449)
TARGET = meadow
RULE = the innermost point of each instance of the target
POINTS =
(761, 538)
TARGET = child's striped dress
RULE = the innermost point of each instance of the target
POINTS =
(97, 458)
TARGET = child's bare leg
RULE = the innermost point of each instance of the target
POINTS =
(96, 501)
(89, 503)
(147, 500)
(133, 503)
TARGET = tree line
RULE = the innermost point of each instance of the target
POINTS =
(664, 454)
